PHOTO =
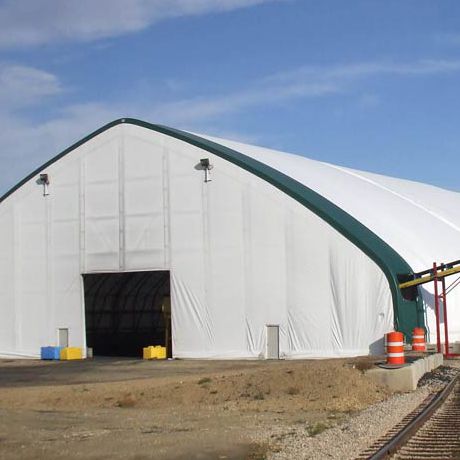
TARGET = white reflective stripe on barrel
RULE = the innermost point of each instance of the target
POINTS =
(395, 355)
(395, 344)
(418, 336)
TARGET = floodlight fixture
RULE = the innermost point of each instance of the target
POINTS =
(45, 181)
(206, 166)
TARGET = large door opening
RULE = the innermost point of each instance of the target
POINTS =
(127, 311)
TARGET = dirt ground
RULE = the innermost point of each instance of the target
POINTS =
(126, 408)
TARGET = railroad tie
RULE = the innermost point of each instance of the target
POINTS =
(439, 437)
(431, 431)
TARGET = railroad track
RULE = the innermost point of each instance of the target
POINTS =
(432, 431)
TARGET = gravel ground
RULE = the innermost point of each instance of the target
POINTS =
(180, 409)
(346, 440)
(321, 409)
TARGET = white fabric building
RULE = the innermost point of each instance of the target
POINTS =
(277, 254)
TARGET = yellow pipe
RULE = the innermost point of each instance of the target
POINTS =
(428, 278)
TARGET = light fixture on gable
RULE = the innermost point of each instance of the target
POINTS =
(45, 181)
(207, 166)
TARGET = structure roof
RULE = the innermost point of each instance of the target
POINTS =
(420, 221)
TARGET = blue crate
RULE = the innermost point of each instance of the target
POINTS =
(50, 352)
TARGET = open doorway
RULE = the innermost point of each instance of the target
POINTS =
(127, 311)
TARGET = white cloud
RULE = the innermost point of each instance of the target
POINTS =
(205, 108)
(22, 86)
(340, 74)
(25, 144)
(36, 22)
(302, 83)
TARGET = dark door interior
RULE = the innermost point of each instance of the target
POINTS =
(127, 311)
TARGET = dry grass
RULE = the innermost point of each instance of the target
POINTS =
(127, 400)
(293, 391)
(317, 428)
(326, 386)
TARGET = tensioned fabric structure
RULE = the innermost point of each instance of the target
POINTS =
(265, 251)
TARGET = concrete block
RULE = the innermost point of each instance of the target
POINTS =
(406, 378)
(438, 360)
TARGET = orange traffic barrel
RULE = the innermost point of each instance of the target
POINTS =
(418, 339)
(395, 348)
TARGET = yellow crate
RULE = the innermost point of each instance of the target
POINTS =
(161, 352)
(71, 353)
(157, 352)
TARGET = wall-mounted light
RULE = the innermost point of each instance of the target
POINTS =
(45, 181)
(206, 166)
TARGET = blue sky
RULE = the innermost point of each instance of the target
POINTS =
(372, 85)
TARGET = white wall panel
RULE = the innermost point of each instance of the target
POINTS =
(102, 207)
(144, 210)
(144, 241)
(7, 281)
(223, 200)
(191, 319)
(32, 308)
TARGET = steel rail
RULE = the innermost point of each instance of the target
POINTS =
(402, 437)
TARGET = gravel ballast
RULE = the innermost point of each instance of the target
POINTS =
(347, 439)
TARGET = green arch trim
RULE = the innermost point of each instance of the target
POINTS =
(408, 314)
